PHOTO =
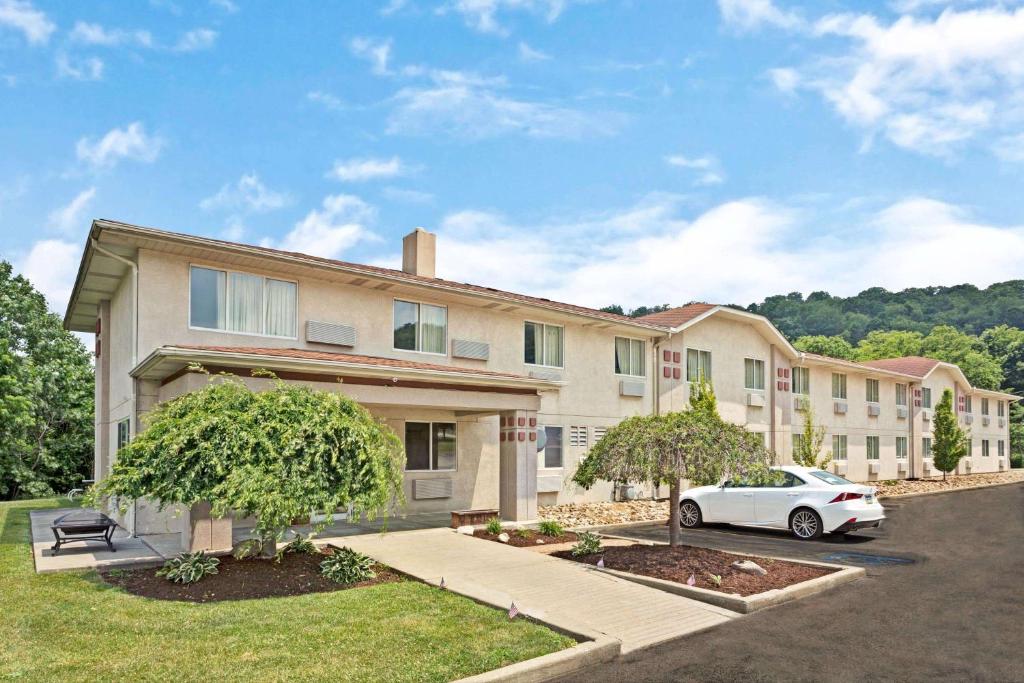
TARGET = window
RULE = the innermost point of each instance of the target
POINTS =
(420, 327)
(926, 447)
(872, 447)
(698, 365)
(984, 406)
(753, 374)
(838, 385)
(798, 442)
(802, 381)
(901, 394)
(968, 406)
(984, 448)
(1001, 448)
(543, 345)
(429, 446)
(240, 302)
(901, 448)
(629, 357)
(871, 391)
(839, 446)
(926, 397)
(124, 433)
(1000, 409)
(553, 448)
(578, 437)
(830, 478)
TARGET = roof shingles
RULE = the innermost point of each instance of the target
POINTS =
(918, 366)
(674, 317)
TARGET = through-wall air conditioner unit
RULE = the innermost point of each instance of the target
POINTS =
(801, 403)
(839, 407)
(550, 375)
(901, 466)
(926, 468)
(474, 350)
(631, 388)
(1002, 464)
(968, 419)
(966, 462)
(756, 400)
(926, 415)
(1002, 422)
(874, 410)
(985, 420)
(330, 333)
(872, 468)
(901, 412)
(839, 466)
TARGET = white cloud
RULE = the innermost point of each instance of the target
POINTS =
(377, 52)
(482, 15)
(51, 265)
(23, 16)
(398, 194)
(70, 218)
(1010, 148)
(529, 54)
(709, 169)
(469, 106)
(337, 226)
(326, 99)
(196, 40)
(225, 5)
(928, 84)
(95, 34)
(131, 142)
(786, 80)
(393, 6)
(357, 170)
(85, 69)
(247, 195)
(750, 15)
(737, 252)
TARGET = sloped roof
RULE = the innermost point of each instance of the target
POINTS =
(918, 366)
(674, 317)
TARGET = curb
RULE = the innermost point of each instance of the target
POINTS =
(554, 665)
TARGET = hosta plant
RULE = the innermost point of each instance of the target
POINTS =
(301, 545)
(549, 527)
(345, 565)
(587, 543)
(189, 567)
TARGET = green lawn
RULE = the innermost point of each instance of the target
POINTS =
(72, 627)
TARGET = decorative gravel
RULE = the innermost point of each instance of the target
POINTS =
(899, 487)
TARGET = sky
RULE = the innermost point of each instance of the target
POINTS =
(592, 151)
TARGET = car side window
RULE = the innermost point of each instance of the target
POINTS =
(793, 480)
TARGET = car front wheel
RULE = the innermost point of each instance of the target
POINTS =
(806, 524)
(689, 514)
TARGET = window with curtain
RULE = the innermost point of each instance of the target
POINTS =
(871, 391)
(901, 394)
(984, 406)
(241, 302)
(901, 448)
(968, 405)
(926, 447)
(753, 374)
(430, 446)
(553, 447)
(124, 433)
(543, 344)
(698, 365)
(838, 385)
(839, 446)
(984, 448)
(873, 447)
(802, 381)
(1000, 409)
(926, 397)
(420, 327)
(1001, 445)
(629, 357)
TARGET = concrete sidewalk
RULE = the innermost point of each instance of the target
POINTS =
(567, 595)
(85, 554)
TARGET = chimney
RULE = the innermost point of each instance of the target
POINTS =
(419, 249)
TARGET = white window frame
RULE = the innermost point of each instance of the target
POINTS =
(763, 378)
(984, 406)
(837, 441)
(926, 447)
(126, 439)
(430, 444)
(985, 448)
(843, 382)
(867, 391)
(806, 372)
(926, 397)
(872, 439)
(711, 361)
(543, 349)
(419, 327)
(1001, 448)
(632, 340)
(227, 300)
(542, 458)
(1001, 408)
(968, 404)
(901, 440)
(901, 388)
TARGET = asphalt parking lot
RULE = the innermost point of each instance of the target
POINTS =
(954, 612)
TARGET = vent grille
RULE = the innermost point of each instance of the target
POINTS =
(330, 333)
(550, 375)
(631, 388)
(424, 489)
(839, 407)
(578, 436)
(475, 350)
(874, 410)
(599, 433)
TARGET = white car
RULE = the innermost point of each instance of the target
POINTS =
(806, 500)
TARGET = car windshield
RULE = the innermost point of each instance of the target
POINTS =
(830, 478)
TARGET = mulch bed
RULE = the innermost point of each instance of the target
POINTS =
(679, 563)
(527, 537)
(248, 579)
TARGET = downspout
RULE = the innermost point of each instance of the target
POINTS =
(771, 399)
(912, 412)
(132, 401)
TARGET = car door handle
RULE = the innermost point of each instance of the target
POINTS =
(747, 495)
(792, 495)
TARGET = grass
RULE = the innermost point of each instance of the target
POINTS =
(73, 627)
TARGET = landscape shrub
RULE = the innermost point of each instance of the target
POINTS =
(587, 544)
(189, 567)
(345, 565)
(493, 526)
(550, 527)
(301, 545)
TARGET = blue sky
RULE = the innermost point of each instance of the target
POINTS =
(594, 151)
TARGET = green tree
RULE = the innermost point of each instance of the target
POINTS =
(807, 449)
(1006, 345)
(949, 442)
(665, 449)
(833, 347)
(275, 455)
(46, 396)
(703, 399)
(891, 344)
(948, 344)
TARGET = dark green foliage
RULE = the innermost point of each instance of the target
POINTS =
(549, 527)
(345, 565)
(46, 396)
(833, 347)
(493, 526)
(301, 544)
(189, 567)
(587, 543)
(637, 312)
(949, 442)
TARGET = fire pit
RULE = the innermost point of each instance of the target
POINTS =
(83, 525)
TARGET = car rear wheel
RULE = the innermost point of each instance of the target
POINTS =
(806, 524)
(689, 514)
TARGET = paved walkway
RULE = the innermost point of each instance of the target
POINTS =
(84, 554)
(572, 596)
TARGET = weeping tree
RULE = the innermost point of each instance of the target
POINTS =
(276, 455)
(950, 443)
(696, 445)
